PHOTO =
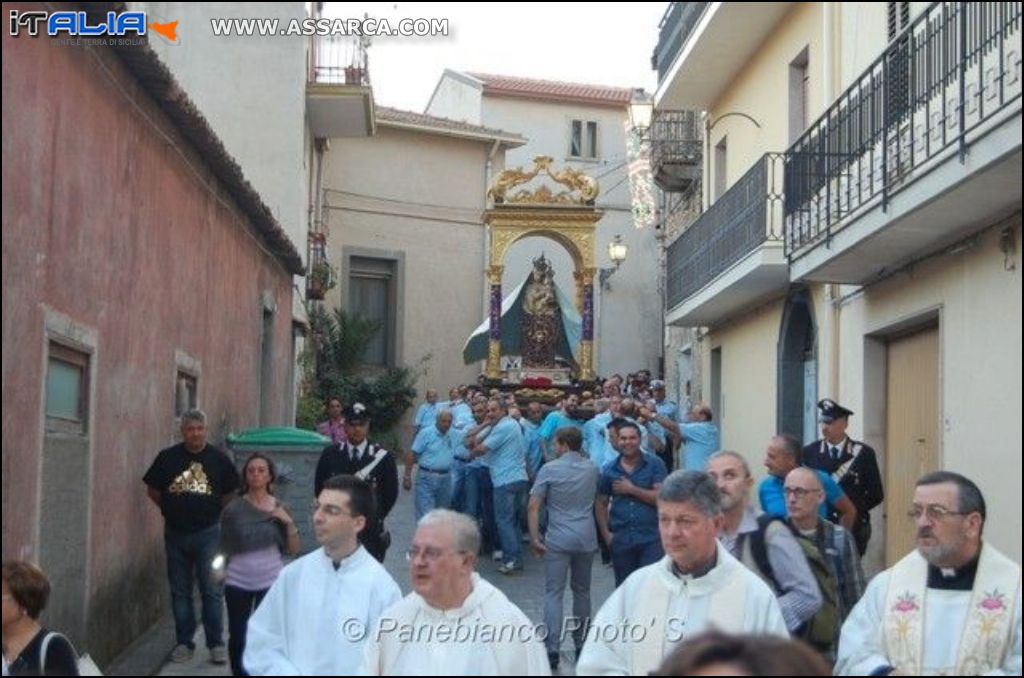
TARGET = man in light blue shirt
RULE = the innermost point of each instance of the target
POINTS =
(426, 415)
(782, 456)
(504, 449)
(700, 439)
(434, 453)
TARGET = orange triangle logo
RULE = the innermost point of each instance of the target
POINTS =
(169, 30)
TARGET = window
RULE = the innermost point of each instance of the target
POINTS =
(583, 139)
(898, 18)
(372, 295)
(798, 96)
(67, 390)
(185, 393)
(721, 153)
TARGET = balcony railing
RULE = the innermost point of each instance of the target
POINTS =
(677, 149)
(955, 68)
(745, 217)
(674, 29)
(338, 60)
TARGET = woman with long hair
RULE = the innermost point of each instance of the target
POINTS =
(255, 531)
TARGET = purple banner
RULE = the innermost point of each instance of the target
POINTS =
(588, 312)
(495, 329)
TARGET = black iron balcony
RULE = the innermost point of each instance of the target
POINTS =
(338, 60)
(748, 215)
(677, 143)
(675, 27)
(938, 85)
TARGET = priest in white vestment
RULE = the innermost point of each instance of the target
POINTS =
(951, 607)
(695, 587)
(454, 623)
(316, 617)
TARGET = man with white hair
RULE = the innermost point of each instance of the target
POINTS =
(454, 623)
(696, 586)
(951, 607)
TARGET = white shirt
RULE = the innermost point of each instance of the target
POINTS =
(861, 646)
(635, 610)
(314, 619)
(487, 636)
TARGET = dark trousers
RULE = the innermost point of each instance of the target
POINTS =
(241, 604)
(628, 559)
(190, 558)
(376, 542)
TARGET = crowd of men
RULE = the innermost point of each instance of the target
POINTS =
(690, 549)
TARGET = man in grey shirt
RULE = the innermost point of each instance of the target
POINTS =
(568, 487)
(790, 577)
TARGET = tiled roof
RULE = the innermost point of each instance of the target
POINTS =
(385, 115)
(529, 88)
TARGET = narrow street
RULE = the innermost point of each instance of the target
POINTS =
(525, 589)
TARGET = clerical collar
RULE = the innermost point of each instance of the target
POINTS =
(700, 571)
(338, 564)
(953, 579)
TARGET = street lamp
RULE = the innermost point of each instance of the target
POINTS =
(617, 251)
(641, 108)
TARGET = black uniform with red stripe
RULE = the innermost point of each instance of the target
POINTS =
(345, 458)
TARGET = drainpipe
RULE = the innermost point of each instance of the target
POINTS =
(488, 177)
(829, 46)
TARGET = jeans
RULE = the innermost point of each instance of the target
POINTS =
(241, 605)
(628, 559)
(189, 552)
(558, 564)
(433, 490)
(460, 472)
(479, 503)
(508, 502)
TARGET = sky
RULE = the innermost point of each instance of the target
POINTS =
(601, 44)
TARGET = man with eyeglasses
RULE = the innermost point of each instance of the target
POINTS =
(316, 617)
(454, 623)
(950, 607)
(368, 461)
(696, 586)
(851, 463)
(782, 456)
(804, 498)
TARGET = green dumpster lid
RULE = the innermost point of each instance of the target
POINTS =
(283, 436)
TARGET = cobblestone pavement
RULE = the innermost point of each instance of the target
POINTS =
(525, 589)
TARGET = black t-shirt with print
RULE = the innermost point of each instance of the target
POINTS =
(191, 485)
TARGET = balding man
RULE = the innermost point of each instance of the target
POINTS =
(805, 497)
(782, 456)
(454, 623)
(433, 452)
(951, 607)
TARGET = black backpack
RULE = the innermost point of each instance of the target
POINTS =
(822, 629)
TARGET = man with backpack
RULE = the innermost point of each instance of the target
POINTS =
(764, 543)
(836, 545)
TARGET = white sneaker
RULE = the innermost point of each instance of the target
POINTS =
(182, 653)
(497, 556)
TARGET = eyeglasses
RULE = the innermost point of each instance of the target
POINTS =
(430, 553)
(329, 509)
(934, 512)
(799, 492)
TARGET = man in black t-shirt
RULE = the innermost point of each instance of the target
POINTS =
(191, 482)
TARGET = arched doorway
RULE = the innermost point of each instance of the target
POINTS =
(798, 368)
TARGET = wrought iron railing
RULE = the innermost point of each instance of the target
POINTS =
(746, 216)
(677, 148)
(952, 71)
(675, 27)
(339, 60)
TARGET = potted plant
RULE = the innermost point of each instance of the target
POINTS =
(321, 279)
